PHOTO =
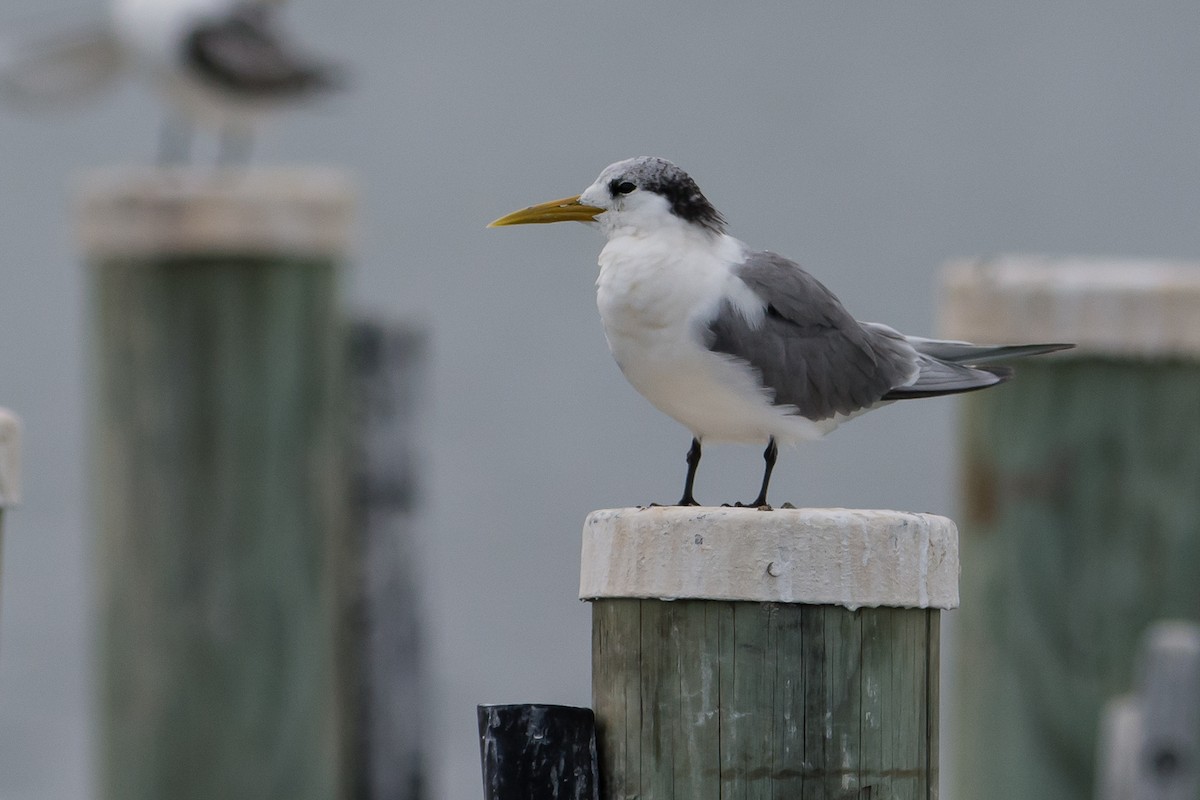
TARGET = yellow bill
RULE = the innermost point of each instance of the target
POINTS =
(569, 209)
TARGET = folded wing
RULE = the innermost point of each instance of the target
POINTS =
(241, 52)
(810, 353)
(807, 349)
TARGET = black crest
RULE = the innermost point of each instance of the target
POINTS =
(687, 201)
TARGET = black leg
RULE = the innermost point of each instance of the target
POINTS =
(693, 461)
(769, 456)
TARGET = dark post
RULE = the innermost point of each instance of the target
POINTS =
(382, 632)
(538, 752)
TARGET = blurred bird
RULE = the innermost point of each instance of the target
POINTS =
(741, 345)
(223, 64)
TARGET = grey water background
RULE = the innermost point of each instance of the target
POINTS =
(869, 141)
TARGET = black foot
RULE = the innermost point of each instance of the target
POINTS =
(761, 505)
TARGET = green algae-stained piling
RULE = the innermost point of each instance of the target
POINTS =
(10, 471)
(217, 465)
(1081, 520)
(785, 655)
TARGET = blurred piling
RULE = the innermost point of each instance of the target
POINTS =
(381, 634)
(787, 653)
(1149, 747)
(1081, 519)
(10, 470)
(219, 481)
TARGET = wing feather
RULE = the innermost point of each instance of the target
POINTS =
(809, 352)
(240, 51)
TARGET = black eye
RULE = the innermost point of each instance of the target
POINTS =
(622, 187)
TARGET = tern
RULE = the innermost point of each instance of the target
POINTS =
(736, 344)
(224, 64)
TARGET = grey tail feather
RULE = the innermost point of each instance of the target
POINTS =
(954, 367)
(974, 354)
(951, 379)
(980, 378)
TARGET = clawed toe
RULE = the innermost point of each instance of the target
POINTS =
(758, 506)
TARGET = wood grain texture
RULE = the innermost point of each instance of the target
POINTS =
(710, 700)
(1082, 526)
(219, 488)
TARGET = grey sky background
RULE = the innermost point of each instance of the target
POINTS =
(869, 141)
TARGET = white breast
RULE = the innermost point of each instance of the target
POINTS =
(156, 28)
(656, 294)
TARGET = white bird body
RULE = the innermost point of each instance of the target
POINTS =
(656, 290)
(152, 34)
(741, 345)
(156, 29)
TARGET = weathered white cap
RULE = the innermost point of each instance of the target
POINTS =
(147, 212)
(1137, 308)
(829, 556)
(10, 458)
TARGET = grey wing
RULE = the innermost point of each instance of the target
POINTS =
(808, 350)
(241, 52)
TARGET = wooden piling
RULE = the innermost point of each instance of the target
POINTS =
(10, 470)
(1149, 747)
(787, 654)
(219, 481)
(381, 631)
(1081, 520)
